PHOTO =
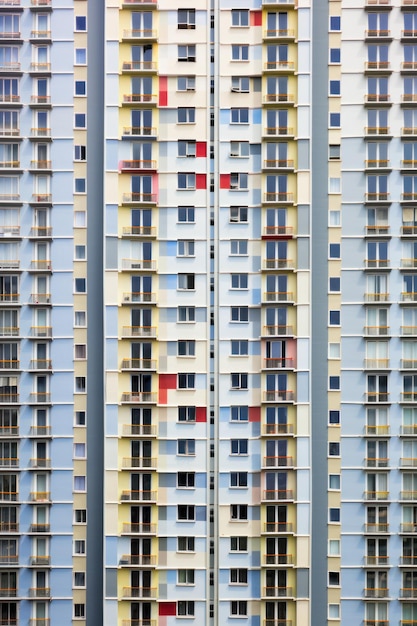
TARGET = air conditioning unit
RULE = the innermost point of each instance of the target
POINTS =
(235, 89)
(234, 186)
(136, 266)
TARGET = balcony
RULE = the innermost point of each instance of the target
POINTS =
(40, 431)
(139, 3)
(40, 164)
(40, 463)
(377, 66)
(8, 593)
(376, 592)
(285, 67)
(278, 559)
(277, 495)
(40, 496)
(283, 395)
(277, 592)
(408, 560)
(380, 430)
(9, 559)
(408, 429)
(376, 528)
(139, 66)
(139, 430)
(408, 364)
(9, 398)
(40, 133)
(377, 196)
(138, 165)
(409, 197)
(139, 462)
(377, 397)
(40, 528)
(377, 130)
(9, 462)
(140, 98)
(279, 197)
(274, 364)
(408, 495)
(408, 527)
(378, 34)
(139, 529)
(138, 496)
(41, 232)
(44, 265)
(132, 132)
(408, 396)
(142, 265)
(9, 527)
(9, 165)
(278, 296)
(40, 68)
(139, 198)
(9, 365)
(376, 560)
(408, 593)
(9, 232)
(9, 431)
(278, 331)
(281, 33)
(40, 34)
(44, 332)
(139, 397)
(139, 297)
(40, 592)
(278, 164)
(278, 528)
(139, 331)
(139, 592)
(373, 164)
(408, 164)
(9, 496)
(376, 297)
(139, 560)
(376, 462)
(40, 560)
(409, 34)
(277, 264)
(136, 33)
(278, 131)
(408, 462)
(41, 198)
(278, 461)
(41, 397)
(9, 132)
(40, 298)
(277, 429)
(376, 364)
(271, 232)
(12, 66)
(138, 364)
(377, 264)
(376, 331)
(278, 98)
(9, 264)
(409, 296)
(139, 231)
(376, 495)
(377, 98)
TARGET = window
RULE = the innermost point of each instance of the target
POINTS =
(186, 381)
(79, 546)
(80, 219)
(334, 55)
(334, 579)
(80, 22)
(186, 148)
(186, 18)
(334, 515)
(79, 611)
(238, 479)
(80, 88)
(334, 383)
(186, 180)
(334, 547)
(334, 318)
(185, 608)
(239, 381)
(239, 413)
(186, 480)
(334, 218)
(186, 282)
(334, 284)
(239, 116)
(334, 448)
(186, 214)
(334, 87)
(79, 450)
(238, 608)
(80, 153)
(185, 512)
(80, 418)
(186, 544)
(238, 544)
(80, 516)
(80, 318)
(186, 115)
(80, 384)
(335, 22)
(240, 17)
(334, 251)
(239, 313)
(80, 253)
(239, 149)
(240, 52)
(79, 579)
(239, 347)
(186, 83)
(80, 120)
(334, 152)
(334, 481)
(239, 576)
(334, 185)
(80, 285)
(79, 185)
(80, 56)
(79, 483)
(238, 512)
(185, 577)
(238, 214)
(186, 347)
(186, 314)
(239, 281)
(186, 53)
(334, 350)
(238, 247)
(334, 120)
(239, 447)
(240, 84)
(334, 611)
(186, 413)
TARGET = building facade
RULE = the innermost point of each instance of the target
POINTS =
(208, 288)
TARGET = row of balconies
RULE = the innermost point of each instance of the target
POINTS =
(34, 398)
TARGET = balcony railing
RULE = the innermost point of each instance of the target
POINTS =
(280, 196)
(138, 364)
(277, 264)
(377, 560)
(136, 33)
(9, 592)
(41, 3)
(274, 364)
(144, 560)
(278, 494)
(410, 559)
(138, 496)
(139, 529)
(409, 364)
(286, 66)
(377, 130)
(40, 528)
(278, 559)
(376, 495)
(40, 463)
(40, 397)
(375, 396)
(376, 364)
(409, 163)
(408, 396)
(283, 395)
(376, 163)
(139, 198)
(139, 592)
(280, 33)
(377, 65)
(40, 164)
(140, 462)
(408, 527)
(9, 559)
(381, 264)
(139, 131)
(9, 431)
(379, 34)
(139, 66)
(376, 528)
(41, 331)
(40, 67)
(277, 331)
(40, 132)
(138, 622)
(40, 34)
(9, 496)
(379, 430)
(146, 265)
(40, 431)
(376, 331)
(40, 496)
(278, 527)
(409, 197)
(409, 33)
(276, 98)
(278, 231)
(409, 296)
(9, 365)
(376, 592)
(42, 198)
(40, 559)
(377, 297)
(277, 429)
(40, 298)
(278, 296)
(139, 331)
(39, 592)
(41, 231)
(408, 592)
(9, 527)
(408, 429)
(278, 461)
(140, 98)
(376, 462)
(139, 231)
(9, 461)
(278, 131)
(135, 164)
(277, 592)
(377, 196)
(9, 398)
(408, 495)
(136, 297)
(139, 430)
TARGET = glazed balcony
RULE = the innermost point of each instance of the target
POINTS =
(139, 331)
(278, 331)
(278, 495)
(275, 364)
(139, 131)
(133, 67)
(277, 592)
(139, 592)
(138, 364)
(283, 395)
(278, 296)
(376, 592)
(139, 462)
(143, 265)
(138, 529)
(278, 559)
(139, 198)
(40, 592)
(376, 331)
(278, 528)
(134, 165)
(136, 297)
(138, 560)
(139, 231)
(139, 430)
(140, 33)
(278, 461)
(139, 397)
(44, 332)
(277, 429)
